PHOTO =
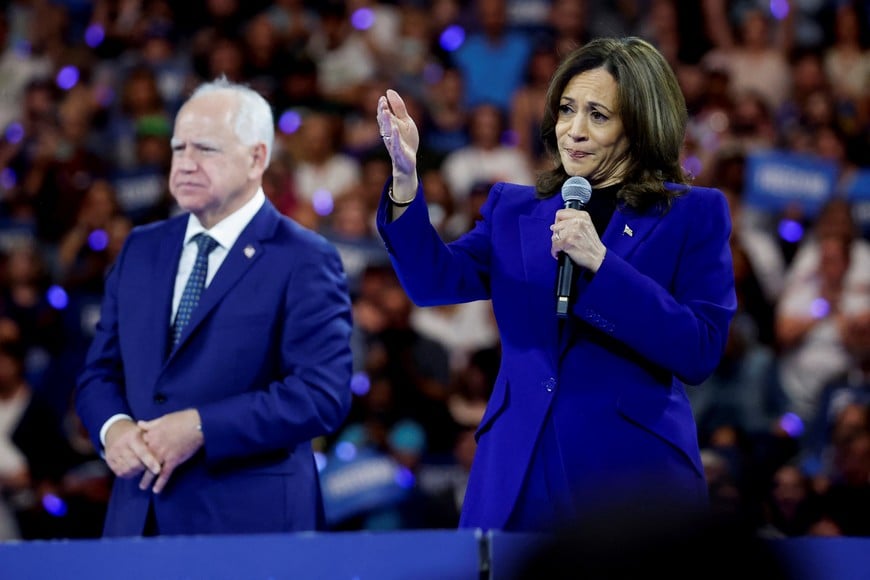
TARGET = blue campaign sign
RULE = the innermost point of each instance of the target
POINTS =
(776, 180)
(858, 193)
(362, 482)
(858, 186)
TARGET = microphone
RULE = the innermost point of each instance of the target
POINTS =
(576, 192)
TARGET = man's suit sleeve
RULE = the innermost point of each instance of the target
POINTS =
(313, 396)
(100, 387)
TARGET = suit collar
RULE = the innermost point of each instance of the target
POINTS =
(246, 251)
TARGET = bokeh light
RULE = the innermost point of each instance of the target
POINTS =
(360, 384)
(98, 240)
(404, 478)
(289, 122)
(779, 9)
(57, 297)
(452, 38)
(14, 133)
(345, 450)
(322, 202)
(54, 505)
(94, 35)
(819, 308)
(362, 19)
(67, 77)
(791, 231)
(791, 424)
(8, 178)
(692, 165)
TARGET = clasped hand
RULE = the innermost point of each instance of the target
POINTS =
(153, 448)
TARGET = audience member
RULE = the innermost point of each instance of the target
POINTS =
(810, 321)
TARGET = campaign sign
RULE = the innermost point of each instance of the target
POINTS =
(858, 193)
(776, 180)
(362, 482)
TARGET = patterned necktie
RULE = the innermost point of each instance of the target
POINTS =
(194, 286)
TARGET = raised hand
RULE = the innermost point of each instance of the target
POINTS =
(401, 138)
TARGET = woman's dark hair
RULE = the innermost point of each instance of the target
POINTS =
(651, 106)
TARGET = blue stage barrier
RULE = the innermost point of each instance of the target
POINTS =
(405, 555)
(425, 555)
(825, 558)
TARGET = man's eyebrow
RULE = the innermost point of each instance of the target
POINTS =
(176, 142)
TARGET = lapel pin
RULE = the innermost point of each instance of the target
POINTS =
(250, 251)
(627, 231)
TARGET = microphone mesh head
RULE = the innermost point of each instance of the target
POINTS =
(576, 189)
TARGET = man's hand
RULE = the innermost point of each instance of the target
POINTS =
(174, 438)
(127, 454)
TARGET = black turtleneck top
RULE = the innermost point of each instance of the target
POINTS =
(601, 206)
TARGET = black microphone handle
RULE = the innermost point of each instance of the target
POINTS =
(565, 279)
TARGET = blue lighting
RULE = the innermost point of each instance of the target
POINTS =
(57, 297)
(289, 122)
(67, 77)
(360, 384)
(94, 35)
(404, 478)
(790, 231)
(345, 450)
(322, 202)
(8, 179)
(54, 505)
(14, 133)
(819, 308)
(779, 9)
(98, 240)
(452, 38)
(791, 424)
(362, 19)
(692, 165)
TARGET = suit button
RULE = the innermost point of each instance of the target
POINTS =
(550, 384)
(159, 398)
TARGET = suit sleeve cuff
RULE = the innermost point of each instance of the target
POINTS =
(109, 422)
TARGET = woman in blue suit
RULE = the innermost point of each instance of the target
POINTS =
(589, 411)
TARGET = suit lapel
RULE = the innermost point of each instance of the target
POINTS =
(627, 229)
(541, 269)
(624, 233)
(157, 334)
(246, 251)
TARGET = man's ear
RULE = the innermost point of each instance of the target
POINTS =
(258, 159)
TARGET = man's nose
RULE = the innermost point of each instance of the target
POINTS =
(183, 160)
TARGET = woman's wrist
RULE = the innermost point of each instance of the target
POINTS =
(399, 202)
(403, 190)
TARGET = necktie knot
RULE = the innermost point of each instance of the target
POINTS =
(204, 244)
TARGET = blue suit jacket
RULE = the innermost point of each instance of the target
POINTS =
(265, 359)
(596, 401)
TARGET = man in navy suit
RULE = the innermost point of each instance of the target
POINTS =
(205, 399)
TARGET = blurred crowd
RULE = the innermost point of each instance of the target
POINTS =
(88, 93)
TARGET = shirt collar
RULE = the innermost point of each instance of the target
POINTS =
(228, 230)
